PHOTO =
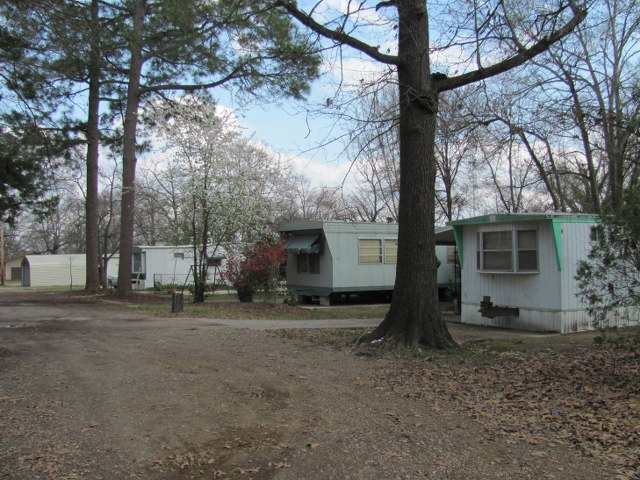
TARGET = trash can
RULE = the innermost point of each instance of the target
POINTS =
(177, 302)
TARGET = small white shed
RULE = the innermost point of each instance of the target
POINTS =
(518, 271)
(53, 270)
(334, 257)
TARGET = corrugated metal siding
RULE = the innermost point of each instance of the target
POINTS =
(579, 320)
(529, 291)
(576, 247)
(58, 275)
(535, 320)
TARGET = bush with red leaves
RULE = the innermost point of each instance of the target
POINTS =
(257, 267)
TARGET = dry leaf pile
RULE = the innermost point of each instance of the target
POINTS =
(588, 397)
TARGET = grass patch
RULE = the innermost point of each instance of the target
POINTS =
(233, 310)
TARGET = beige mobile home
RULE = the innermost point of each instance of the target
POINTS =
(331, 258)
(518, 271)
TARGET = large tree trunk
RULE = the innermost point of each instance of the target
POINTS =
(414, 317)
(93, 143)
(129, 151)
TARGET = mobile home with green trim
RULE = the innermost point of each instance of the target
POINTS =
(518, 271)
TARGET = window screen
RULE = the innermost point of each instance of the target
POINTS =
(527, 250)
(390, 251)
(497, 251)
(369, 251)
(137, 262)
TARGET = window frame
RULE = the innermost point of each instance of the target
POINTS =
(384, 251)
(515, 249)
(143, 262)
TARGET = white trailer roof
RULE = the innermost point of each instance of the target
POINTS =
(60, 259)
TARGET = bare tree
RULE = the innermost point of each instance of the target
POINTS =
(414, 317)
(573, 109)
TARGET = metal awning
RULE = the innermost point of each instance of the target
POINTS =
(304, 244)
(445, 236)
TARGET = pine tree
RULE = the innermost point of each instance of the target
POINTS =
(194, 46)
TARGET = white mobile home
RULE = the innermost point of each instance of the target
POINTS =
(154, 265)
(333, 257)
(518, 270)
(53, 270)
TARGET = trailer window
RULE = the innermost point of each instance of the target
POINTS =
(513, 250)
(497, 251)
(138, 262)
(390, 251)
(369, 251)
(527, 250)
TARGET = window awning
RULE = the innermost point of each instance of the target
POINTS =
(304, 244)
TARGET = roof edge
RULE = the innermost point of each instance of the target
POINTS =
(498, 218)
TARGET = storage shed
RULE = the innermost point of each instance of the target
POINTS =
(13, 269)
(518, 271)
(333, 257)
(53, 270)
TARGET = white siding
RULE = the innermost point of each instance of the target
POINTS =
(576, 247)
(162, 262)
(576, 239)
(340, 269)
(537, 295)
(112, 266)
(446, 271)
(57, 270)
(322, 279)
(529, 319)
(348, 272)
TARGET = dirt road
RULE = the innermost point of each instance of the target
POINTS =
(92, 391)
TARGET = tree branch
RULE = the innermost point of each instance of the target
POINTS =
(337, 35)
(516, 60)
(191, 87)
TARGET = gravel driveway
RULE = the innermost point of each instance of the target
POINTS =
(93, 391)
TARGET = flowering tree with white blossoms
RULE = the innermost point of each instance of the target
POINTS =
(226, 186)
